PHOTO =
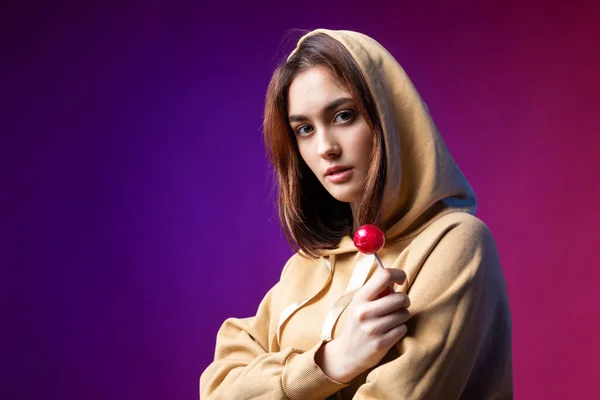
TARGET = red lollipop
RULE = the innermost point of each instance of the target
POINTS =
(369, 239)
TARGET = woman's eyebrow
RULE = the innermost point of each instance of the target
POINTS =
(334, 104)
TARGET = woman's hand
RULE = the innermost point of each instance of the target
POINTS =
(374, 324)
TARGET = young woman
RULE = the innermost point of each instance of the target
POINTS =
(353, 143)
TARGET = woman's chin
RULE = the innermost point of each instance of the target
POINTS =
(345, 196)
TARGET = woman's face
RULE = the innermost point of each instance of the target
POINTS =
(333, 137)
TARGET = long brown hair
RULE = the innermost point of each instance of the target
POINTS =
(311, 218)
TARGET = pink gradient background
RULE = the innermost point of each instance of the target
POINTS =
(137, 209)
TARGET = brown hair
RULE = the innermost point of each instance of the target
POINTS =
(311, 218)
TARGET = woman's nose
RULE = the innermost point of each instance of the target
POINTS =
(328, 145)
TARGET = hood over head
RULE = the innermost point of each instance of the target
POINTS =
(422, 180)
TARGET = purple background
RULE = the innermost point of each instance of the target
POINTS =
(138, 209)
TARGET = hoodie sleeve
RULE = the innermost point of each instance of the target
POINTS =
(244, 369)
(458, 340)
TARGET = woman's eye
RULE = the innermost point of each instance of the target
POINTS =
(343, 116)
(305, 130)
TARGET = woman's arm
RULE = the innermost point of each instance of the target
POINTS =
(460, 326)
(244, 369)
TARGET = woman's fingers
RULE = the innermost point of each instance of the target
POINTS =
(389, 321)
(388, 339)
(374, 325)
(382, 279)
(392, 303)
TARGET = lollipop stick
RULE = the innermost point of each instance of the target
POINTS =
(389, 289)
(378, 261)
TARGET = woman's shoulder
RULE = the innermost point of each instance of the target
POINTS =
(459, 227)
(466, 220)
(454, 242)
(456, 249)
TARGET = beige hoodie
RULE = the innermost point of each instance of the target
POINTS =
(458, 344)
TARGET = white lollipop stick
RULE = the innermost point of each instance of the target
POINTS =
(378, 260)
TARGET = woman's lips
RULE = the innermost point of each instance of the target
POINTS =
(340, 176)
